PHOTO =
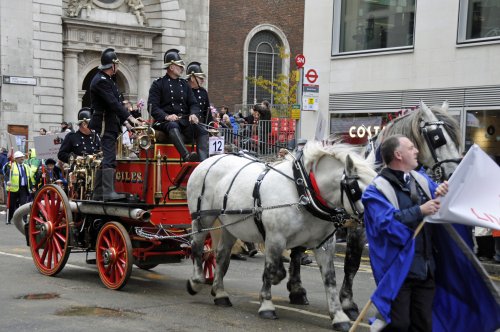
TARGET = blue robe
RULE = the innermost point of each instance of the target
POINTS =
(464, 300)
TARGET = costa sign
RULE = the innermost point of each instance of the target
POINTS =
(363, 131)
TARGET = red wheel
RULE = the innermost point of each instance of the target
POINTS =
(114, 255)
(208, 260)
(49, 230)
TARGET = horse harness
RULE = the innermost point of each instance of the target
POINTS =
(435, 138)
(306, 186)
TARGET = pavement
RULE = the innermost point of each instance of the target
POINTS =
(492, 267)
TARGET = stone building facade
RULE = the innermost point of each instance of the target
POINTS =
(233, 25)
(49, 51)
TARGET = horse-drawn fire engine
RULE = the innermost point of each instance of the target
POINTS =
(150, 227)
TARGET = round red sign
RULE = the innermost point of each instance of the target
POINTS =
(300, 60)
(311, 75)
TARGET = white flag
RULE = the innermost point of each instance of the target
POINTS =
(473, 197)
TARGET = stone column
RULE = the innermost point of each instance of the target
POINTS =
(70, 105)
(144, 81)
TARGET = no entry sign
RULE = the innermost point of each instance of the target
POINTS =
(300, 60)
(311, 76)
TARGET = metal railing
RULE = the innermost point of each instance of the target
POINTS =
(263, 139)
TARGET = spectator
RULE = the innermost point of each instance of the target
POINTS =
(33, 163)
(4, 159)
(65, 127)
(266, 104)
(48, 174)
(19, 184)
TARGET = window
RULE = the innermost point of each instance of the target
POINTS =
(479, 20)
(263, 61)
(372, 25)
(483, 128)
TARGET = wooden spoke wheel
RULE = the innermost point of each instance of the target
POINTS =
(114, 255)
(208, 262)
(49, 229)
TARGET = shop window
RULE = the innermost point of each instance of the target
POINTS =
(483, 128)
(479, 20)
(372, 26)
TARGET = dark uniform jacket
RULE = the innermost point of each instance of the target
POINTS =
(105, 100)
(201, 96)
(172, 96)
(79, 144)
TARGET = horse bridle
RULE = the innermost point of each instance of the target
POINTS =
(350, 186)
(435, 138)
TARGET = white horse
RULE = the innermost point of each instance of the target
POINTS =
(224, 187)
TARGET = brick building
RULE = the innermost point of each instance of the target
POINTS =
(243, 42)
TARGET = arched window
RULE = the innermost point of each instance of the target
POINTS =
(263, 60)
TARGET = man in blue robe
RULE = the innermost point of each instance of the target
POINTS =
(395, 204)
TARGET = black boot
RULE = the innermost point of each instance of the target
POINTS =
(175, 137)
(202, 147)
(97, 192)
(108, 186)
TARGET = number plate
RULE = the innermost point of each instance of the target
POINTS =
(216, 145)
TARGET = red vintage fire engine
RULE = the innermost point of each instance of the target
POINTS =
(151, 227)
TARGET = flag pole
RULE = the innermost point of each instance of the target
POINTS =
(369, 303)
(11, 158)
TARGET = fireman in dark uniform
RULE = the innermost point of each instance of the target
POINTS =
(82, 142)
(176, 110)
(108, 117)
(196, 78)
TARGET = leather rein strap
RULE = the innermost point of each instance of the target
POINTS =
(311, 198)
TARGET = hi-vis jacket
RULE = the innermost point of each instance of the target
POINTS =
(13, 176)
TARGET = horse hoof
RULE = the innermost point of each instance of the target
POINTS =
(268, 314)
(190, 289)
(300, 299)
(223, 302)
(352, 313)
(342, 327)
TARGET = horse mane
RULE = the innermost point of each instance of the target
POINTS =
(315, 150)
(409, 126)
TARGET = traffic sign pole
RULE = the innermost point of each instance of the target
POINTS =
(299, 101)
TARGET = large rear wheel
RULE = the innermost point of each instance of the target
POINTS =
(49, 230)
(114, 255)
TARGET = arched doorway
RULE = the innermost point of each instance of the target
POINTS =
(121, 81)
